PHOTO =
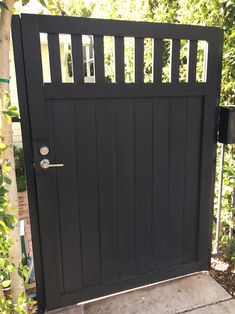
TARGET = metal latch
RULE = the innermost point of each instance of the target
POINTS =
(45, 164)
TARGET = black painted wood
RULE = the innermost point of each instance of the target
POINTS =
(177, 144)
(124, 210)
(54, 57)
(161, 158)
(157, 60)
(87, 172)
(77, 56)
(125, 163)
(143, 184)
(72, 91)
(192, 177)
(67, 184)
(73, 25)
(192, 62)
(28, 155)
(175, 60)
(139, 60)
(119, 60)
(99, 59)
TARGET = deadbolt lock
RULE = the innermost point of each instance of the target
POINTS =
(44, 150)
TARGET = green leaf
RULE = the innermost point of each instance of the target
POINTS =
(6, 283)
(3, 146)
(7, 180)
(3, 6)
(24, 2)
(12, 107)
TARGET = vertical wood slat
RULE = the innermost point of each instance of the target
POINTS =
(143, 184)
(161, 153)
(77, 56)
(192, 61)
(106, 154)
(125, 185)
(88, 190)
(54, 57)
(34, 77)
(175, 60)
(119, 60)
(69, 205)
(139, 60)
(177, 142)
(99, 58)
(157, 60)
(192, 170)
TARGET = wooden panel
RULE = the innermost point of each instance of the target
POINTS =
(119, 59)
(139, 60)
(161, 127)
(77, 58)
(106, 152)
(88, 194)
(192, 177)
(175, 60)
(54, 57)
(99, 58)
(143, 184)
(192, 62)
(74, 25)
(157, 60)
(177, 142)
(72, 91)
(28, 155)
(34, 77)
(125, 185)
(67, 185)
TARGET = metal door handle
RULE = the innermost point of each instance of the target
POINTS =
(45, 164)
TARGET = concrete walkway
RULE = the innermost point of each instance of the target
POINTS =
(195, 294)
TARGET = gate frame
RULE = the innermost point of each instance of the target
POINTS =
(28, 155)
(30, 171)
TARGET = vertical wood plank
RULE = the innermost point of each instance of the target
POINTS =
(143, 184)
(54, 56)
(106, 151)
(68, 202)
(208, 153)
(88, 193)
(34, 76)
(77, 56)
(177, 181)
(192, 61)
(175, 60)
(192, 177)
(125, 185)
(99, 58)
(139, 60)
(161, 124)
(119, 60)
(157, 60)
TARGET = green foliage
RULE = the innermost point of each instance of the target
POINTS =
(7, 222)
(19, 168)
(8, 307)
(3, 6)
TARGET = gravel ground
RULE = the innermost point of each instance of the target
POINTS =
(223, 271)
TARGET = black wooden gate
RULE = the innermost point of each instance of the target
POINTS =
(132, 204)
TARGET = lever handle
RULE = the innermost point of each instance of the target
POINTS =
(45, 164)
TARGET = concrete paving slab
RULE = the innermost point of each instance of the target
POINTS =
(175, 296)
(225, 307)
